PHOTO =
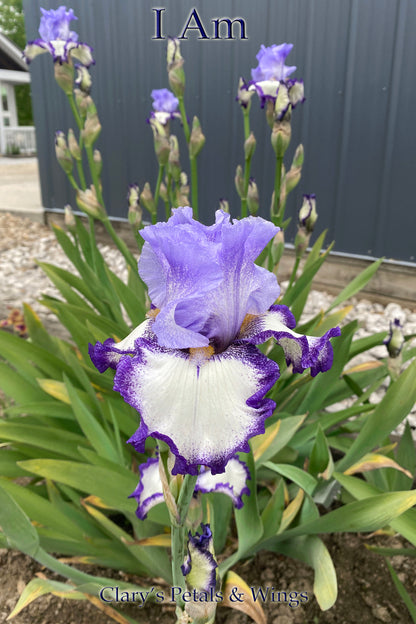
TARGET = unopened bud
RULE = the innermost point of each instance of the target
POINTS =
(395, 341)
(281, 135)
(133, 195)
(301, 242)
(83, 79)
(163, 192)
(293, 176)
(63, 154)
(307, 214)
(197, 140)
(73, 145)
(183, 178)
(161, 141)
(64, 76)
(174, 162)
(70, 222)
(250, 146)
(98, 161)
(146, 199)
(253, 198)
(278, 246)
(82, 100)
(87, 201)
(244, 95)
(239, 180)
(134, 216)
(176, 73)
(224, 205)
(92, 126)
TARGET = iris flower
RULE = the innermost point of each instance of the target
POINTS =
(192, 369)
(270, 79)
(165, 105)
(57, 39)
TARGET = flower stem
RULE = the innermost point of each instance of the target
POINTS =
(276, 216)
(247, 162)
(74, 109)
(178, 531)
(293, 275)
(184, 119)
(157, 190)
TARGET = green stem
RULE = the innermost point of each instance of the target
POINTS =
(157, 190)
(94, 175)
(194, 186)
(293, 275)
(74, 109)
(178, 531)
(80, 168)
(168, 201)
(276, 216)
(72, 181)
(120, 244)
(184, 119)
(247, 162)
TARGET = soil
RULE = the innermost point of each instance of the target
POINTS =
(366, 592)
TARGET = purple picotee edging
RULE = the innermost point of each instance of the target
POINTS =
(201, 542)
(144, 506)
(227, 489)
(265, 368)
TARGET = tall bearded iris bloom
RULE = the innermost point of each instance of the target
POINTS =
(193, 370)
(57, 39)
(270, 79)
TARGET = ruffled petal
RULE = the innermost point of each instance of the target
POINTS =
(232, 482)
(149, 491)
(107, 354)
(205, 408)
(34, 48)
(83, 53)
(300, 351)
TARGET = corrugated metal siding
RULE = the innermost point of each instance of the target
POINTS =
(356, 57)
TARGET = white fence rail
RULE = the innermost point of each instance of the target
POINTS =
(19, 140)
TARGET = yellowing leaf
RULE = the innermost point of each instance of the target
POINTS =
(365, 366)
(155, 540)
(96, 501)
(291, 511)
(56, 389)
(248, 606)
(262, 442)
(373, 461)
(38, 587)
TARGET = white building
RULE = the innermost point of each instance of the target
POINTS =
(13, 71)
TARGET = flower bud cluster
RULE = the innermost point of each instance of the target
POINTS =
(307, 219)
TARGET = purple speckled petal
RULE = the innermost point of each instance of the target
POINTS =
(204, 409)
(107, 354)
(149, 490)
(232, 482)
(300, 351)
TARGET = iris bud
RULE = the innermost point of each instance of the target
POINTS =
(224, 205)
(82, 100)
(63, 154)
(87, 201)
(146, 198)
(73, 145)
(281, 135)
(133, 195)
(307, 214)
(395, 341)
(98, 161)
(174, 162)
(253, 198)
(239, 180)
(294, 173)
(163, 192)
(176, 73)
(70, 222)
(197, 140)
(92, 126)
(64, 76)
(250, 146)
(161, 141)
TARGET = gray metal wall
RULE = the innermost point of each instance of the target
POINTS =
(357, 59)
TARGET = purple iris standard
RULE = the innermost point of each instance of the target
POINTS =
(165, 105)
(192, 370)
(270, 79)
(58, 39)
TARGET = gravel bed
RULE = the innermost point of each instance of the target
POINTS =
(22, 242)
